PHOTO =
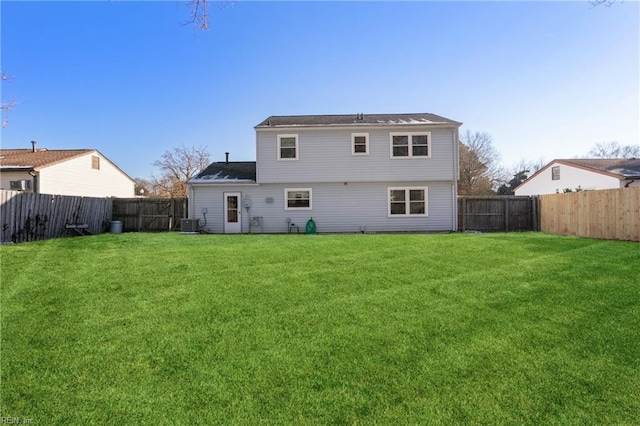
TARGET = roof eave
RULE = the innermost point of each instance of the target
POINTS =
(348, 126)
(227, 183)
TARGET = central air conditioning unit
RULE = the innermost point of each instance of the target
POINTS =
(189, 225)
(20, 185)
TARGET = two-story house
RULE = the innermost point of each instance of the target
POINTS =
(350, 173)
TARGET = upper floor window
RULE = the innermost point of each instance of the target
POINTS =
(360, 143)
(555, 173)
(287, 147)
(95, 162)
(297, 198)
(410, 145)
(410, 201)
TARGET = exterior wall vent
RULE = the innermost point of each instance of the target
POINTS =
(189, 225)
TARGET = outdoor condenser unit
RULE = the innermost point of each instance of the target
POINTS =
(189, 225)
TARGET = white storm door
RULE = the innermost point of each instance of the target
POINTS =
(232, 213)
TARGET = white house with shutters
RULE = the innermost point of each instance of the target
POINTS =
(349, 173)
(78, 172)
(582, 174)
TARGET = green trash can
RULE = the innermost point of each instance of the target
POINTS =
(310, 228)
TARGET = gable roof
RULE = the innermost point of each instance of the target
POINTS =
(625, 168)
(27, 158)
(354, 120)
(227, 172)
(621, 168)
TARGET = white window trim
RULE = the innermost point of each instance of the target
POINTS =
(407, 201)
(410, 136)
(353, 143)
(280, 151)
(286, 199)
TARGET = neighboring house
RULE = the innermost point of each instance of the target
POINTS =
(79, 172)
(582, 174)
(350, 173)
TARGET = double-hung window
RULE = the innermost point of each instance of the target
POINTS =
(555, 173)
(410, 201)
(297, 199)
(407, 145)
(287, 147)
(360, 143)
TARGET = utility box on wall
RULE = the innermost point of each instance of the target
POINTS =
(189, 225)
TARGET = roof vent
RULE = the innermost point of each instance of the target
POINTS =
(33, 146)
(227, 157)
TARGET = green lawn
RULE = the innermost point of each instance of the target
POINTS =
(174, 329)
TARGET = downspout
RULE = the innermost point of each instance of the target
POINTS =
(456, 177)
(35, 181)
(191, 202)
(626, 185)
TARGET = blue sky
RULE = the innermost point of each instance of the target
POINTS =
(545, 79)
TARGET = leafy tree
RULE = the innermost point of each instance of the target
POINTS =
(520, 171)
(614, 150)
(479, 168)
(177, 166)
(509, 187)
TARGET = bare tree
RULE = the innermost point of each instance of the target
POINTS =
(479, 164)
(145, 188)
(199, 12)
(177, 166)
(614, 150)
(6, 106)
(607, 3)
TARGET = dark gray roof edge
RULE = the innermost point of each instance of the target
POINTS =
(626, 168)
(232, 171)
(328, 120)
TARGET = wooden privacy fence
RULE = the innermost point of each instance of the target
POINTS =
(149, 214)
(612, 214)
(26, 216)
(497, 213)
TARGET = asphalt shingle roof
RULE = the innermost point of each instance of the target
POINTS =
(354, 120)
(227, 172)
(624, 167)
(26, 158)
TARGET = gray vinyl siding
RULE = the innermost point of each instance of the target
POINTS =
(336, 207)
(325, 155)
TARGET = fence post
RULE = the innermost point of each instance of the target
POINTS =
(172, 213)
(506, 214)
(139, 215)
(464, 214)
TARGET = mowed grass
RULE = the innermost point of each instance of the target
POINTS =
(341, 329)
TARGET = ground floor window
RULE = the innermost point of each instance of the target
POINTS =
(410, 201)
(297, 198)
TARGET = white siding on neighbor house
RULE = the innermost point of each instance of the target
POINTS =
(77, 177)
(7, 177)
(325, 155)
(570, 177)
(354, 207)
